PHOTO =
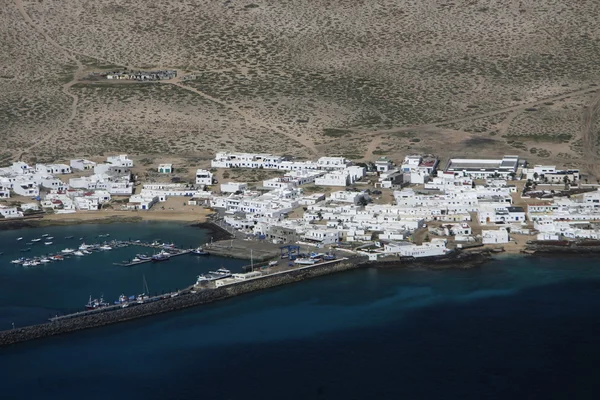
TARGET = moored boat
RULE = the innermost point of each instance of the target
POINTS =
(305, 261)
(199, 251)
(67, 251)
(19, 238)
(36, 240)
(162, 256)
(47, 243)
(78, 253)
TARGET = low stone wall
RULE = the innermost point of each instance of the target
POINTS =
(188, 299)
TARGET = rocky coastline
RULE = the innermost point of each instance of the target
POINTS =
(188, 299)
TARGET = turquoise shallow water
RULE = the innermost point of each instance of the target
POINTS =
(32, 294)
(516, 328)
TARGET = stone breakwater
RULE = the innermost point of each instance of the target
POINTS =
(205, 296)
(563, 247)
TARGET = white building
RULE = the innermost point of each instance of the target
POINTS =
(141, 202)
(82, 165)
(52, 169)
(384, 164)
(500, 213)
(10, 212)
(344, 177)
(204, 177)
(495, 236)
(484, 168)
(322, 236)
(549, 172)
(437, 247)
(165, 168)
(120, 161)
(233, 187)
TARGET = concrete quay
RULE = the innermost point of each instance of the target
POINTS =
(244, 249)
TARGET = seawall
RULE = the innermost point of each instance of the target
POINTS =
(205, 296)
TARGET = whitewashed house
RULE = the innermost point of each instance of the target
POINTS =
(10, 212)
(165, 168)
(204, 177)
(82, 165)
(233, 187)
(496, 236)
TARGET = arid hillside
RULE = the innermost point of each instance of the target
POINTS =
(359, 78)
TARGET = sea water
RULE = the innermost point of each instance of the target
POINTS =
(33, 294)
(514, 328)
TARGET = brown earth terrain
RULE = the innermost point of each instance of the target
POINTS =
(353, 78)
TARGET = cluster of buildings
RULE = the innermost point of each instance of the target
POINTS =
(447, 202)
(47, 184)
(142, 75)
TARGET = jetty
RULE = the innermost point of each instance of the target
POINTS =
(172, 253)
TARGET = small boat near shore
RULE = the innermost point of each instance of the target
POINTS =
(47, 243)
(36, 240)
(199, 251)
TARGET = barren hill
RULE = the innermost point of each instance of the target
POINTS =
(359, 78)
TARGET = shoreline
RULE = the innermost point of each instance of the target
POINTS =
(102, 217)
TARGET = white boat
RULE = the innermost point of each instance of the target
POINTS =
(67, 251)
(135, 259)
(45, 260)
(105, 247)
(84, 246)
(44, 235)
(272, 263)
(19, 261)
(305, 261)
(47, 243)
(36, 240)
(34, 263)
(78, 253)
(19, 238)
(50, 238)
(86, 252)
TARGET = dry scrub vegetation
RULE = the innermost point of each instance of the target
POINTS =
(355, 78)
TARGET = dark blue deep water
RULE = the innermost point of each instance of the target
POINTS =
(515, 328)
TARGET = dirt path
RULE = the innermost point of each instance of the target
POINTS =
(304, 142)
(589, 134)
(67, 86)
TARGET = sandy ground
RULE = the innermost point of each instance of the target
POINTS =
(359, 79)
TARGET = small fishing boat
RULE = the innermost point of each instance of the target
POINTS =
(50, 238)
(143, 257)
(105, 247)
(18, 261)
(47, 243)
(162, 256)
(44, 235)
(199, 251)
(67, 251)
(36, 240)
(86, 252)
(78, 253)
(19, 238)
(45, 260)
